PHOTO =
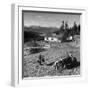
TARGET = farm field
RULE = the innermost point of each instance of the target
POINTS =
(56, 51)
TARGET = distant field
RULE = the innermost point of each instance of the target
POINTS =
(55, 52)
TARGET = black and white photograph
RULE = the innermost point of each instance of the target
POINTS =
(51, 44)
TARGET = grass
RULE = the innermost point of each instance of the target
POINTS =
(57, 51)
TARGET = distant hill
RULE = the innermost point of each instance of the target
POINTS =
(32, 35)
(40, 29)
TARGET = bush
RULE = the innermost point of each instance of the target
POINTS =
(36, 50)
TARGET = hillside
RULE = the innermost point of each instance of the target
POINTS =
(40, 29)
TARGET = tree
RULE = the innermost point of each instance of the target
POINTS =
(62, 28)
(79, 29)
(66, 26)
(66, 31)
(74, 29)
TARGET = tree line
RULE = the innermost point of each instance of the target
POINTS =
(68, 31)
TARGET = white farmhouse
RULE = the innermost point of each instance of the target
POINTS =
(70, 38)
(51, 39)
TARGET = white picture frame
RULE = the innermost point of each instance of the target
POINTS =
(16, 41)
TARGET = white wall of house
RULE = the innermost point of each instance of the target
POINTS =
(70, 38)
(52, 39)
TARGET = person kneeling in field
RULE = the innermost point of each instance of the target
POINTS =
(41, 60)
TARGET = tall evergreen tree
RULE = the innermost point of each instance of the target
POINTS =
(74, 29)
(62, 28)
(79, 29)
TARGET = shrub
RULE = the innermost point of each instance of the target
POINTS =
(36, 50)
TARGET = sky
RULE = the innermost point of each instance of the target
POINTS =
(47, 19)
